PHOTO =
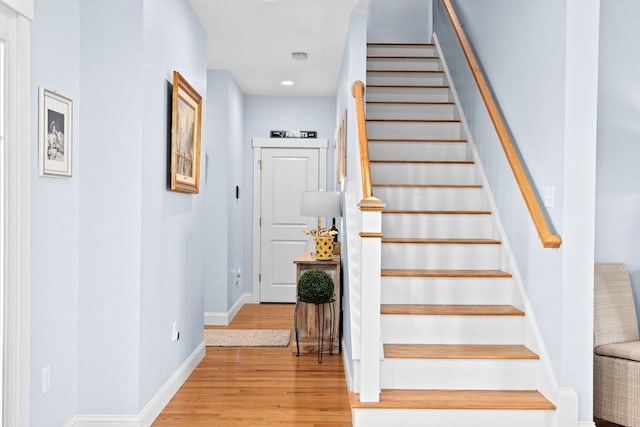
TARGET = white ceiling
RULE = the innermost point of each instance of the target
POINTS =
(253, 39)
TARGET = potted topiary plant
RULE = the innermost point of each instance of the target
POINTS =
(315, 286)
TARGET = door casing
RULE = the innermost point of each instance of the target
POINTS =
(260, 144)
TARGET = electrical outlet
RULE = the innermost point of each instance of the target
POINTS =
(238, 276)
(46, 379)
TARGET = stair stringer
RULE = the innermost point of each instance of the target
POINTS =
(565, 399)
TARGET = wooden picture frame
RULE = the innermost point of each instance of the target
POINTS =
(342, 148)
(186, 125)
(56, 131)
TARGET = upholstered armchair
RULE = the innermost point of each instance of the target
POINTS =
(617, 348)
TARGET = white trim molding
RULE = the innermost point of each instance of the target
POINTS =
(348, 367)
(153, 408)
(20, 7)
(258, 144)
(212, 318)
(17, 213)
(157, 403)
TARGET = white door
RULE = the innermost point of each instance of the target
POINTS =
(285, 174)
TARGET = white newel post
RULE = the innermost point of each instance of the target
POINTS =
(371, 237)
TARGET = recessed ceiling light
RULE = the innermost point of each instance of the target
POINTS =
(299, 56)
(286, 83)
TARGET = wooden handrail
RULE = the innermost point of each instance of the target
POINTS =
(549, 240)
(368, 201)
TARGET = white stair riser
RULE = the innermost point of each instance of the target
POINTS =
(404, 64)
(434, 94)
(437, 226)
(424, 173)
(417, 329)
(464, 374)
(398, 150)
(412, 111)
(440, 256)
(402, 51)
(394, 78)
(451, 418)
(408, 130)
(441, 290)
(433, 199)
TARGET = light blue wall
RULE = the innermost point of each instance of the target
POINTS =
(618, 191)
(506, 38)
(237, 208)
(531, 99)
(54, 222)
(266, 113)
(394, 21)
(111, 128)
(353, 68)
(116, 256)
(224, 213)
(216, 175)
(263, 114)
(172, 243)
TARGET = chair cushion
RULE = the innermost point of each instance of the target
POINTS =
(624, 350)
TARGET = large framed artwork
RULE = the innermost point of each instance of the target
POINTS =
(186, 124)
(55, 139)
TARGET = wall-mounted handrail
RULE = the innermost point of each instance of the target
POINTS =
(549, 240)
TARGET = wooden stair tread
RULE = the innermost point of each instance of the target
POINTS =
(451, 310)
(440, 241)
(457, 399)
(428, 212)
(494, 274)
(414, 86)
(427, 162)
(428, 185)
(410, 86)
(400, 44)
(457, 351)
(415, 140)
(415, 120)
(413, 102)
(407, 71)
(402, 57)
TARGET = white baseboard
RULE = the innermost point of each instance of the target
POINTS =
(586, 424)
(348, 368)
(153, 408)
(213, 318)
(567, 408)
(157, 403)
(103, 421)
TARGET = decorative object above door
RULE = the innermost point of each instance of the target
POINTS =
(186, 116)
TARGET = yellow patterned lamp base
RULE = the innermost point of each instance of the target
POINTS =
(324, 247)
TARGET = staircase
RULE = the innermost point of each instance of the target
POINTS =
(452, 331)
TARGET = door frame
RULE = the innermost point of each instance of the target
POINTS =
(17, 214)
(258, 145)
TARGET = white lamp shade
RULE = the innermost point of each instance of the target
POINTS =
(320, 204)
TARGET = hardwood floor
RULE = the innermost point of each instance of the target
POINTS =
(261, 386)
